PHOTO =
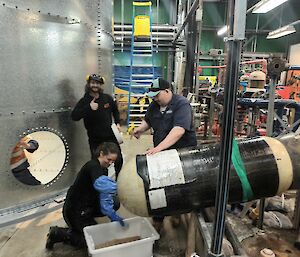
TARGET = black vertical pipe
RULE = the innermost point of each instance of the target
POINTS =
(190, 52)
(172, 21)
(226, 146)
(193, 51)
(230, 91)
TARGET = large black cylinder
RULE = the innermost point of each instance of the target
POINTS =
(178, 181)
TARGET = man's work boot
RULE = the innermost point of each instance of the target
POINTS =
(56, 235)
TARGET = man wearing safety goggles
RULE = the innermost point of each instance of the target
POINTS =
(98, 111)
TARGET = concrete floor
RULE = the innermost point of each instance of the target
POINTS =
(279, 240)
(28, 239)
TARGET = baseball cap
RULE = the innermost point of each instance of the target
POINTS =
(156, 86)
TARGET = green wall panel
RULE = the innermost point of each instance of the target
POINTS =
(214, 15)
(214, 18)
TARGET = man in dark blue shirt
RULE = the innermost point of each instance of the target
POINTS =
(170, 117)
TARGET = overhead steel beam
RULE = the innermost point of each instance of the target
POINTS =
(192, 10)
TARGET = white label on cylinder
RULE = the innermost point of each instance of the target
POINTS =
(165, 169)
(157, 199)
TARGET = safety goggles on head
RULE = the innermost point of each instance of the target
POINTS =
(96, 78)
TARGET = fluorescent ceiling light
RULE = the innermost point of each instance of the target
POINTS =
(267, 5)
(283, 31)
(222, 31)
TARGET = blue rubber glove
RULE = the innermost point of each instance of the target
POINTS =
(116, 217)
(107, 188)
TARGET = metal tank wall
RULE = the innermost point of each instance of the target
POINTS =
(47, 47)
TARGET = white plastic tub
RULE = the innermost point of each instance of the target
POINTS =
(106, 232)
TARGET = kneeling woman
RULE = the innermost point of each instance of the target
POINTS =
(92, 195)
